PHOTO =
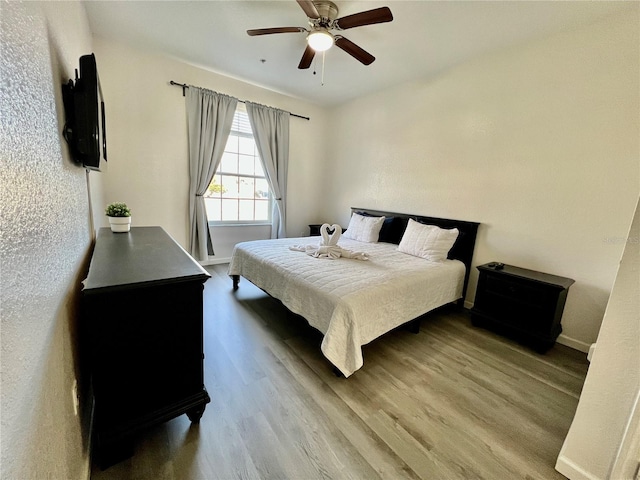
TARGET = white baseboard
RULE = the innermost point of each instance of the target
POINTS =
(573, 343)
(215, 261)
(572, 471)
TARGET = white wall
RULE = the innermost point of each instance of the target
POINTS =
(612, 385)
(225, 237)
(44, 243)
(147, 138)
(538, 142)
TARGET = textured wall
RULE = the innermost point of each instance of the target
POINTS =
(538, 142)
(44, 242)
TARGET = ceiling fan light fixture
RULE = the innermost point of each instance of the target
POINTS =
(320, 40)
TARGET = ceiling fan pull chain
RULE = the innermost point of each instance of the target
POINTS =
(323, 68)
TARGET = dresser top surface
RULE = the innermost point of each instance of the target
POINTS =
(144, 255)
(527, 274)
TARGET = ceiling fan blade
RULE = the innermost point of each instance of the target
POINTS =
(354, 50)
(309, 8)
(369, 17)
(307, 58)
(269, 31)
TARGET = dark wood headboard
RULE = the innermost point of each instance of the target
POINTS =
(396, 223)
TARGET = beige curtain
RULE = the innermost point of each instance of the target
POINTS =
(209, 119)
(271, 131)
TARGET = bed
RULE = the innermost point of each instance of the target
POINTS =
(352, 301)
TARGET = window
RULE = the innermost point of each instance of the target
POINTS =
(239, 192)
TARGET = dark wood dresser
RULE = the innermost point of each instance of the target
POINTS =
(142, 336)
(522, 303)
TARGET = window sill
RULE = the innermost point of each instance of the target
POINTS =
(238, 224)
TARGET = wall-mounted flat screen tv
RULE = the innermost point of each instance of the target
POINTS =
(85, 127)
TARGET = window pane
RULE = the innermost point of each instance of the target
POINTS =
(229, 163)
(241, 121)
(232, 144)
(245, 166)
(212, 206)
(229, 209)
(246, 145)
(246, 187)
(259, 169)
(215, 187)
(229, 186)
(262, 209)
(262, 188)
(246, 210)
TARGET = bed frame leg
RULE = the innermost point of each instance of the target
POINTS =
(338, 373)
(236, 281)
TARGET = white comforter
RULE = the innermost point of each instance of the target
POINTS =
(350, 301)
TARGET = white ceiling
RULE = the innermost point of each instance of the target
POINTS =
(425, 38)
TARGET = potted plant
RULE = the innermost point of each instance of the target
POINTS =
(119, 216)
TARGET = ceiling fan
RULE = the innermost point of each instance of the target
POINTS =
(322, 19)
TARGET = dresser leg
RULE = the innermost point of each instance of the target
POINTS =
(111, 454)
(414, 325)
(195, 414)
(476, 321)
(543, 346)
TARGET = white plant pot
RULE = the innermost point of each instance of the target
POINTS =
(120, 224)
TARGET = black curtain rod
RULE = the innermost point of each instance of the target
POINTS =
(184, 86)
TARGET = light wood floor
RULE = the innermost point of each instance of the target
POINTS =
(452, 402)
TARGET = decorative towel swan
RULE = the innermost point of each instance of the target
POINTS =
(330, 240)
(328, 246)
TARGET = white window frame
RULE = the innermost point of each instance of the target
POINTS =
(241, 109)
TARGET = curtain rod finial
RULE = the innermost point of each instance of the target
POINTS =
(183, 85)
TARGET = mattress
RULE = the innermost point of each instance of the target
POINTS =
(352, 302)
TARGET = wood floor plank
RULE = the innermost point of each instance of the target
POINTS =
(473, 395)
(267, 452)
(350, 435)
(546, 367)
(451, 402)
(413, 452)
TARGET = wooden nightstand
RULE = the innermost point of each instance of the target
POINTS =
(314, 229)
(523, 303)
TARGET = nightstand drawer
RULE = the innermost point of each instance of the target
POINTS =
(510, 311)
(520, 292)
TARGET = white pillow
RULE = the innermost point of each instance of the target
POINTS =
(364, 229)
(427, 241)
